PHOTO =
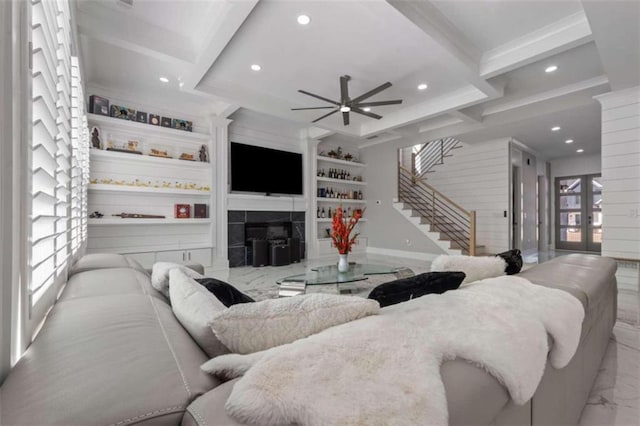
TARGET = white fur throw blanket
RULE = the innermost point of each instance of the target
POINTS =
(386, 368)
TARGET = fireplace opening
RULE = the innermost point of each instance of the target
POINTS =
(273, 232)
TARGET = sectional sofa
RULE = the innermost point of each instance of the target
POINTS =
(112, 353)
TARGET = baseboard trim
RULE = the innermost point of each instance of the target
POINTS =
(414, 255)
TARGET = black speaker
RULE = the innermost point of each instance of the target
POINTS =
(260, 252)
(294, 243)
(280, 255)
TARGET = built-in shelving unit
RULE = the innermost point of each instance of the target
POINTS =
(123, 182)
(350, 188)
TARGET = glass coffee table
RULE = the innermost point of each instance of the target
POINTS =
(323, 275)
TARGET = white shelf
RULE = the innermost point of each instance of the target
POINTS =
(329, 220)
(148, 129)
(102, 187)
(339, 201)
(147, 249)
(341, 181)
(342, 162)
(125, 221)
(98, 154)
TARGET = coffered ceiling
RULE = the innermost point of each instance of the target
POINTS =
(483, 61)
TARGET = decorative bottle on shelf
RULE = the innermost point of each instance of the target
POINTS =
(318, 213)
(322, 213)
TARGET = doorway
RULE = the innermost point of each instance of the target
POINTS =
(579, 213)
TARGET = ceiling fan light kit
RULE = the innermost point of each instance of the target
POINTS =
(347, 105)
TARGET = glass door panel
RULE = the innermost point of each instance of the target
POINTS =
(578, 213)
(594, 213)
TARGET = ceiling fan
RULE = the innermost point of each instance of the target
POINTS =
(346, 104)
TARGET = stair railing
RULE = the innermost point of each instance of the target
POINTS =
(445, 216)
(432, 154)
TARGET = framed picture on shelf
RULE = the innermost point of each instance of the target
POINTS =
(165, 122)
(183, 211)
(98, 105)
(141, 117)
(154, 119)
(200, 211)
(182, 124)
(123, 113)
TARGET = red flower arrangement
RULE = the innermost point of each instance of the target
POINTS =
(341, 230)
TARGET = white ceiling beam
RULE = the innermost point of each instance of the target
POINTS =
(552, 39)
(464, 54)
(467, 96)
(467, 115)
(133, 34)
(228, 110)
(545, 96)
(318, 133)
(226, 23)
(617, 35)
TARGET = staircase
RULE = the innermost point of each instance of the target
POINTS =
(432, 154)
(443, 221)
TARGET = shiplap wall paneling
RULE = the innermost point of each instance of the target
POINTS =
(477, 178)
(621, 173)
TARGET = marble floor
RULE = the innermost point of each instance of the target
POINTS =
(615, 397)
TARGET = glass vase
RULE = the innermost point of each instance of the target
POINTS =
(343, 263)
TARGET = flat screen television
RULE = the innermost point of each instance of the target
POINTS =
(265, 170)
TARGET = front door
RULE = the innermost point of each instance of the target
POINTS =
(579, 213)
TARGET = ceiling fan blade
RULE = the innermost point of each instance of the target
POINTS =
(324, 116)
(372, 92)
(344, 89)
(345, 118)
(379, 103)
(319, 97)
(301, 109)
(368, 114)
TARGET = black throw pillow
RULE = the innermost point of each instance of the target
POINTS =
(226, 293)
(409, 288)
(513, 259)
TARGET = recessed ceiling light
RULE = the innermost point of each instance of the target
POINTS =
(569, 141)
(256, 67)
(579, 150)
(422, 86)
(344, 108)
(555, 128)
(366, 109)
(164, 79)
(303, 19)
(551, 68)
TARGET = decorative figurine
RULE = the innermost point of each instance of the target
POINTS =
(95, 138)
(203, 154)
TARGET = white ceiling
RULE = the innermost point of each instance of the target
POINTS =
(484, 61)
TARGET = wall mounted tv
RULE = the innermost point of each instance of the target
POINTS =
(265, 170)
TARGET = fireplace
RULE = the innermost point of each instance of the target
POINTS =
(274, 226)
(274, 232)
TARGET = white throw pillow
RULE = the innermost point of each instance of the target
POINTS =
(195, 307)
(251, 327)
(160, 275)
(475, 268)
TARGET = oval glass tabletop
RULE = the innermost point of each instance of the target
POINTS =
(330, 275)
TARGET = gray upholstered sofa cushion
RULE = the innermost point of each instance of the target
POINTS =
(106, 360)
(104, 261)
(104, 282)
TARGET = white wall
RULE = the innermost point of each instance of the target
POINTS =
(386, 228)
(621, 173)
(477, 178)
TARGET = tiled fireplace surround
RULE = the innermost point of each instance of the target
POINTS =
(239, 253)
